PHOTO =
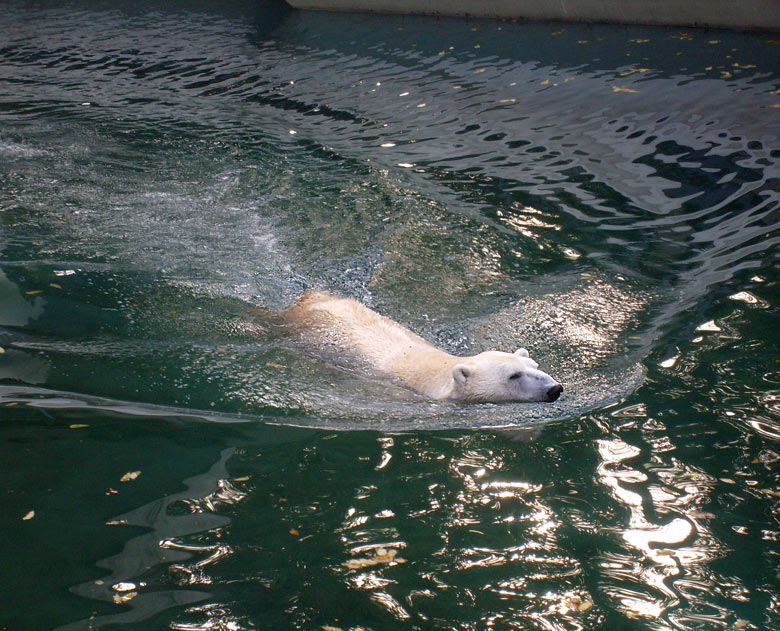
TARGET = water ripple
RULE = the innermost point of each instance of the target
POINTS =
(607, 196)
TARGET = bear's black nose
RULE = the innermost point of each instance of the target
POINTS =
(554, 392)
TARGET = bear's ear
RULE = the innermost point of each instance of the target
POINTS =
(521, 352)
(461, 372)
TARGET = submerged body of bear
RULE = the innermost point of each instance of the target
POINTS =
(389, 349)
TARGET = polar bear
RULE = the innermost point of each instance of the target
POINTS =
(348, 327)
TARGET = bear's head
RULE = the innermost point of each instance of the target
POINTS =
(495, 376)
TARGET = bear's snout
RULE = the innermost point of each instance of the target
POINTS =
(554, 392)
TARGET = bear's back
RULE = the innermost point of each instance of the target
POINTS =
(345, 325)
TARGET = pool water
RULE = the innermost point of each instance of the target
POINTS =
(607, 197)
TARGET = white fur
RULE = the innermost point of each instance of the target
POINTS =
(390, 349)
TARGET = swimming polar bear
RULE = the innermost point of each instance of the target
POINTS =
(346, 326)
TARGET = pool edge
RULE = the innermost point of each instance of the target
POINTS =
(747, 15)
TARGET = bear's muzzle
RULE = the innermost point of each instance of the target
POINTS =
(554, 392)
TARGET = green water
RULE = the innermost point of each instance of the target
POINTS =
(608, 197)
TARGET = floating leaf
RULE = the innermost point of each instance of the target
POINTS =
(620, 88)
(633, 71)
(78, 425)
(55, 285)
(327, 627)
(241, 479)
(32, 292)
(358, 564)
(545, 82)
(129, 476)
(584, 605)
(29, 516)
(294, 532)
(382, 555)
(575, 602)
(123, 598)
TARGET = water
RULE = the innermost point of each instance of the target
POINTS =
(605, 196)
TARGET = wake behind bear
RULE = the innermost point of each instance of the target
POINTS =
(383, 346)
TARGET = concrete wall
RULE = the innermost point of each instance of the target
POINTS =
(743, 14)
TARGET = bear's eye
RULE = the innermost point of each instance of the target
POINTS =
(517, 375)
